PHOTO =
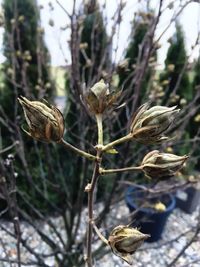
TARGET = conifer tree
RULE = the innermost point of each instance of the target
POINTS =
(175, 75)
(196, 81)
(27, 60)
(26, 72)
(195, 120)
(140, 27)
(94, 50)
(175, 79)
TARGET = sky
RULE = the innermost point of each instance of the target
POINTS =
(57, 40)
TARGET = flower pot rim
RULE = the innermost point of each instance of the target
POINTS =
(130, 202)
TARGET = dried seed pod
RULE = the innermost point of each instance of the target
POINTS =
(45, 122)
(162, 165)
(99, 98)
(124, 241)
(148, 125)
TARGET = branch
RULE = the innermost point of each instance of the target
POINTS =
(110, 171)
(63, 8)
(76, 150)
(117, 142)
(90, 188)
(100, 128)
(99, 234)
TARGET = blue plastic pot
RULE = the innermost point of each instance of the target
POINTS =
(188, 199)
(146, 219)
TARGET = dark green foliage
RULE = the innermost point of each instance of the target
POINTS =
(196, 81)
(140, 26)
(177, 57)
(134, 56)
(96, 54)
(139, 31)
(26, 70)
(194, 124)
(45, 191)
(178, 80)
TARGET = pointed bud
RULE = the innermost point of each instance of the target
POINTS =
(162, 165)
(45, 122)
(148, 125)
(124, 241)
(99, 98)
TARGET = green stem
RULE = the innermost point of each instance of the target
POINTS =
(118, 141)
(110, 171)
(100, 128)
(76, 150)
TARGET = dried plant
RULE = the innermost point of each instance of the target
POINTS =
(54, 169)
(46, 124)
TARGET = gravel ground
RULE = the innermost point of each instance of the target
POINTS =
(157, 254)
(161, 253)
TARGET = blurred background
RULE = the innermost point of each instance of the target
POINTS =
(57, 50)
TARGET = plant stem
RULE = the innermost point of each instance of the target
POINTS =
(90, 189)
(100, 234)
(110, 171)
(100, 128)
(118, 141)
(77, 150)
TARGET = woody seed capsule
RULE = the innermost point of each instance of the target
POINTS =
(45, 122)
(99, 98)
(162, 165)
(148, 125)
(124, 241)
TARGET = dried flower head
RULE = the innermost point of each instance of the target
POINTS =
(51, 22)
(21, 18)
(162, 165)
(99, 98)
(124, 241)
(148, 125)
(45, 122)
(83, 45)
(197, 118)
(171, 67)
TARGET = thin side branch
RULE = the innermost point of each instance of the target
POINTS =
(76, 150)
(110, 171)
(125, 138)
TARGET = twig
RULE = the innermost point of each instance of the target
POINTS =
(9, 147)
(63, 8)
(90, 189)
(117, 142)
(110, 171)
(99, 234)
(77, 150)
